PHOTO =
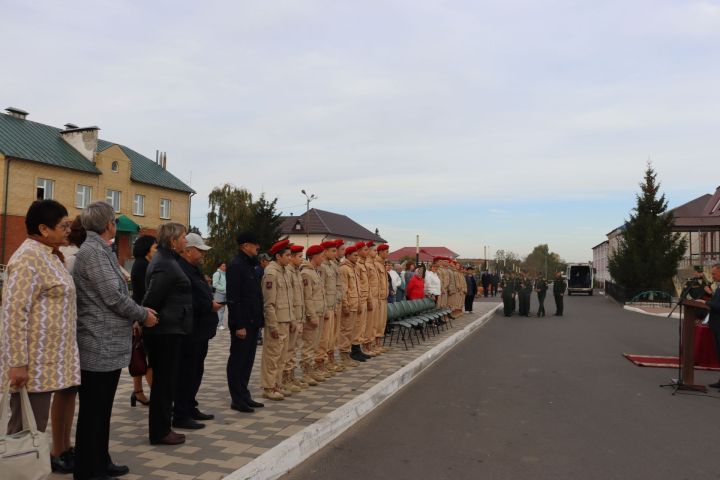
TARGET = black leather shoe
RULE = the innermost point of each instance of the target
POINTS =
(198, 415)
(117, 470)
(357, 357)
(242, 407)
(252, 403)
(60, 465)
(188, 424)
(715, 385)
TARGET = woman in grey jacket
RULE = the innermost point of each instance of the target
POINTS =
(169, 293)
(106, 313)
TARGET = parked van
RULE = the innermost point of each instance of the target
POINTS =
(580, 278)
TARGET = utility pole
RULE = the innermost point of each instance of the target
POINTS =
(309, 198)
(417, 251)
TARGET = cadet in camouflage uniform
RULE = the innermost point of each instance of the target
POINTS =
(350, 306)
(364, 302)
(373, 308)
(295, 343)
(330, 280)
(314, 293)
(382, 254)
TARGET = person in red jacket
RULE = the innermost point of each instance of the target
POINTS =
(416, 287)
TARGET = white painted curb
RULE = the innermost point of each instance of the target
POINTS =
(294, 450)
(640, 310)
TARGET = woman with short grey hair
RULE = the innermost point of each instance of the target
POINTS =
(169, 293)
(106, 313)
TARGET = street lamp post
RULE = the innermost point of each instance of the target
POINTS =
(309, 198)
(417, 251)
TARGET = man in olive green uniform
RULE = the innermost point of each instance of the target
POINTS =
(382, 254)
(335, 337)
(373, 307)
(363, 304)
(328, 275)
(350, 307)
(277, 305)
(314, 294)
(508, 294)
(559, 287)
(289, 380)
(541, 289)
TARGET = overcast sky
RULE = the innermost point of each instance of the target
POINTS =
(471, 123)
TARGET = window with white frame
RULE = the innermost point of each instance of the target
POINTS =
(113, 198)
(139, 204)
(164, 208)
(83, 196)
(44, 189)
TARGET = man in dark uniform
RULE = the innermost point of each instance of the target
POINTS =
(508, 295)
(559, 287)
(494, 281)
(541, 289)
(714, 321)
(245, 319)
(516, 291)
(471, 288)
(485, 280)
(524, 296)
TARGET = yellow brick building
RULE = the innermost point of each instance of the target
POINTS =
(75, 167)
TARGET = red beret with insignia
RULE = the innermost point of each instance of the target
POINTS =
(369, 244)
(359, 245)
(382, 247)
(314, 250)
(339, 242)
(296, 248)
(280, 246)
(328, 244)
(350, 250)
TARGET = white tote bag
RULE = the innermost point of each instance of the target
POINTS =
(26, 454)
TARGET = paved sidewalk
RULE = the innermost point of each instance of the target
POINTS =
(233, 439)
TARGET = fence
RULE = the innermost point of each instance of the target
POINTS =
(617, 292)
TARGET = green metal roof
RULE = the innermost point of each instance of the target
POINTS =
(124, 224)
(147, 171)
(37, 142)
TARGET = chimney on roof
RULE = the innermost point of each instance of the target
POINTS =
(84, 140)
(161, 159)
(17, 113)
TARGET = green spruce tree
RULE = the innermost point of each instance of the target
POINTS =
(649, 251)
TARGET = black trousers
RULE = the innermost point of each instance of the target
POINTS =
(558, 303)
(524, 303)
(92, 434)
(486, 287)
(164, 353)
(192, 366)
(508, 305)
(541, 301)
(493, 289)
(469, 302)
(240, 364)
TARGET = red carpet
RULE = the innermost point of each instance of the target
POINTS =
(661, 362)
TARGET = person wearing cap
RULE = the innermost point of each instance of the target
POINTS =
(245, 319)
(471, 288)
(364, 304)
(194, 346)
(277, 309)
(314, 294)
(373, 317)
(383, 292)
(349, 308)
(462, 288)
(335, 335)
(328, 274)
(290, 382)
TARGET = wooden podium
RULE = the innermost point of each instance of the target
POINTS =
(687, 348)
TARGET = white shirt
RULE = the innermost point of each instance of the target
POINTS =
(396, 281)
(432, 283)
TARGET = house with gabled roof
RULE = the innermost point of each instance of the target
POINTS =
(75, 167)
(315, 226)
(425, 255)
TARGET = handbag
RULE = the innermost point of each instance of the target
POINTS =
(138, 359)
(24, 455)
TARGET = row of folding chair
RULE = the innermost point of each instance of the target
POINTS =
(419, 318)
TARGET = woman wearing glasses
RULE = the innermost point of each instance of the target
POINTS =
(38, 347)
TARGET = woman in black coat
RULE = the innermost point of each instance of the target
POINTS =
(168, 293)
(143, 251)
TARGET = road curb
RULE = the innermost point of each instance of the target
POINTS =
(299, 447)
(640, 310)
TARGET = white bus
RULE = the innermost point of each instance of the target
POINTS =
(580, 278)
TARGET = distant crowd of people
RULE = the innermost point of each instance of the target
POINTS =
(517, 289)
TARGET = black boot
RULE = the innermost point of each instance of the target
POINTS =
(356, 354)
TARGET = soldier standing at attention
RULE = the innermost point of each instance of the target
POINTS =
(295, 339)
(541, 289)
(329, 278)
(382, 254)
(559, 287)
(364, 302)
(277, 306)
(335, 337)
(507, 294)
(524, 294)
(373, 309)
(314, 294)
(350, 305)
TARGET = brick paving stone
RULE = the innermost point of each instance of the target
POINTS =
(233, 439)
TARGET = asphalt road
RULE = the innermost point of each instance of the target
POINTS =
(538, 398)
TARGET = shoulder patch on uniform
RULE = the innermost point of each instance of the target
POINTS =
(268, 285)
(305, 281)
